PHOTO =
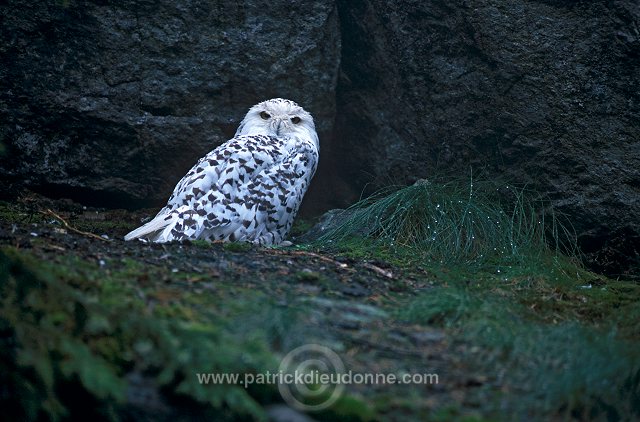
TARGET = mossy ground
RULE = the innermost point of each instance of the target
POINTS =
(113, 330)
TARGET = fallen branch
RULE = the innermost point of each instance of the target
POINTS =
(381, 271)
(70, 227)
(310, 254)
(390, 350)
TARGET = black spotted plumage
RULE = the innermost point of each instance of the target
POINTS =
(247, 189)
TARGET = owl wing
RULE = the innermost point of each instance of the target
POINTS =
(223, 169)
(262, 210)
(218, 172)
(231, 186)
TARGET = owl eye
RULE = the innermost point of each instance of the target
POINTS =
(295, 120)
(264, 115)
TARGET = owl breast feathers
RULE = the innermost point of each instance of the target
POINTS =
(249, 188)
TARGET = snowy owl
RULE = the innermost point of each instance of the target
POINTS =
(249, 188)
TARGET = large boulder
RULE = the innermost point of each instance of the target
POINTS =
(111, 102)
(542, 93)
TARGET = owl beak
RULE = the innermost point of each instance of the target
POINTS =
(278, 124)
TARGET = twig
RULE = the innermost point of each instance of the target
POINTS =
(378, 270)
(73, 229)
(311, 254)
(394, 351)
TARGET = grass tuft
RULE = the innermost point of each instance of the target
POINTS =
(510, 289)
(473, 222)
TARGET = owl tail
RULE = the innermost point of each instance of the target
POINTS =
(151, 229)
(179, 224)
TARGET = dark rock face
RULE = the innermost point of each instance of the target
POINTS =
(543, 93)
(112, 102)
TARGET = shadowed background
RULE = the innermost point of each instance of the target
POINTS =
(109, 103)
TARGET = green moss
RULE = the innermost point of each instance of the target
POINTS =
(201, 244)
(307, 276)
(237, 246)
(347, 409)
(452, 413)
(19, 214)
(301, 226)
(359, 249)
(75, 324)
(72, 315)
(564, 347)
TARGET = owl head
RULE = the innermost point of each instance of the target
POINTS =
(279, 118)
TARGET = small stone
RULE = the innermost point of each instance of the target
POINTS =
(282, 413)
(429, 336)
(355, 290)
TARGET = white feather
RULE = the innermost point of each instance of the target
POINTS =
(153, 226)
